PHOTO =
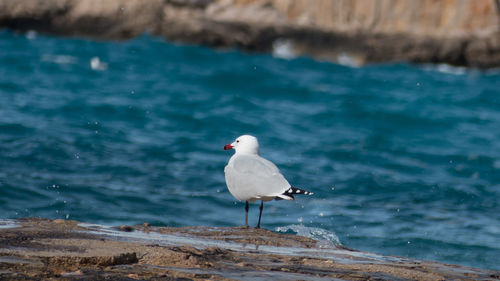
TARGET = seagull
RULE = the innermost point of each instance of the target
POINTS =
(249, 177)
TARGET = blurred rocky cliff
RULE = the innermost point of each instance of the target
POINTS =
(458, 32)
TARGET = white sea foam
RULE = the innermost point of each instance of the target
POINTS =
(348, 60)
(492, 71)
(311, 232)
(97, 64)
(446, 68)
(5, 223)
(60, 59)
(31, 34)
(283, 49)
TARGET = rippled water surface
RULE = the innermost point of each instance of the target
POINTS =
(403, 160)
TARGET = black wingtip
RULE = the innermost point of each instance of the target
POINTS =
(293, 190)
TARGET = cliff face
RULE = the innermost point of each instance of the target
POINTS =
(443, 18)
(461, 32)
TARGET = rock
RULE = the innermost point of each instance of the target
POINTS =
(76, 261)
(126, 228)
(39, 249)
(458, 32)
(117, 19)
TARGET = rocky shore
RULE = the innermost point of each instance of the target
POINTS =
(457, 32)
(40, 249)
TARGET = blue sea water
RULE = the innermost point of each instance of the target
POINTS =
(403, 160)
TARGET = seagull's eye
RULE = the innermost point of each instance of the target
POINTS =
(237, 140)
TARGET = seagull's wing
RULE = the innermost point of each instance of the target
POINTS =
(251, 177)
(255, 165)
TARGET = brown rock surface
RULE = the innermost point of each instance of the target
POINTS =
(117, 19)
(459, 32)
(39, 249)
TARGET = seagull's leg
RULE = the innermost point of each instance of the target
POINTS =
(260, 214)
(246, 213)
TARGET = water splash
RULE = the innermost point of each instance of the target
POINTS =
(31, 34)
(311, 232)
(349, 60)
(283, 49)
(97, 64)
(446, 68)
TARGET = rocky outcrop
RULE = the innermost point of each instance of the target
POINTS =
(459, 32)
(101, 19)
(39, 249)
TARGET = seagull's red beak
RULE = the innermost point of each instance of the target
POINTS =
(228, 146)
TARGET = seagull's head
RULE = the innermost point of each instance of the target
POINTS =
(245, 144)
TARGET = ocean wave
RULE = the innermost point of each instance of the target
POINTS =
(311, 232)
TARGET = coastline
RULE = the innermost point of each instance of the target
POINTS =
(35, 249)
(462, 33)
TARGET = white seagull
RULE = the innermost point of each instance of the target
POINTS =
(250, 177)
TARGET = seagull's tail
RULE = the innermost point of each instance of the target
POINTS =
(288, 194)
